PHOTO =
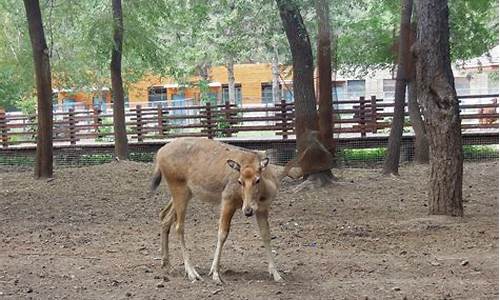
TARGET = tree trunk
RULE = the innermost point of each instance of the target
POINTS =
(391, 164)
(275, 67)
(121, 146)
(313, 157)
(421, 143)
(436, 91)
(231, 80)
(44, 152)
(303, 68)
(325, 109)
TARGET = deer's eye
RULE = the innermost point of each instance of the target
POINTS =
(239, 181)
(257, 180)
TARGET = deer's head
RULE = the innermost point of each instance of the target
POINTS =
(250, 183)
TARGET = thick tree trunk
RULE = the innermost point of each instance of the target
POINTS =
(436, 91)
(275, 68)
(391, 164)
(313, 157)
(121, 146)
(230, 80)
(421, 143)
(303, 67)
(44, 153)
(325, 109)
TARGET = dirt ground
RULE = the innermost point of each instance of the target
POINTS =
(92, 233)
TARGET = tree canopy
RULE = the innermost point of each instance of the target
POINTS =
(175, 38)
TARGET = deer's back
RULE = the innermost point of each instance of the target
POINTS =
(201, 164)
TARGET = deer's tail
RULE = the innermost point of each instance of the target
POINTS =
(156, 180)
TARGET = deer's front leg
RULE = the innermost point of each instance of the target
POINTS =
(266, 238)
(227, 211)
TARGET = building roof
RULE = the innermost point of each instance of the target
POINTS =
(488, 60)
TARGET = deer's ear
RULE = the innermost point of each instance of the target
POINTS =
(233, 164)
(264, 163)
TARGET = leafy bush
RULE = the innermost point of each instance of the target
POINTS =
(362, 154)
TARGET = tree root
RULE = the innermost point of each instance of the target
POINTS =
(315, 181)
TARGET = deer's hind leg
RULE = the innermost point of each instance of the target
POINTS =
(167, 218)
(180, 198)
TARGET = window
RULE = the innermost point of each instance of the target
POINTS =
(99, 102)
(340, 90)
(55, 98)
(389, 88)
(157, 93)
(225, 93)
(462, 85)
(287, 93)
(355, 89)
(267, 93)
(69, 103)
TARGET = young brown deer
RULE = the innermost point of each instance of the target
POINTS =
(218, 173)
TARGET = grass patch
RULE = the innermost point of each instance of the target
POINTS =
(478, 151)
(94, 159)
(141, 156)
(373, 154)
(21, 160)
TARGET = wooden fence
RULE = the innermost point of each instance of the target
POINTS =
(362, 117)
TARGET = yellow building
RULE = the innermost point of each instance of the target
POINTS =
(253, 85)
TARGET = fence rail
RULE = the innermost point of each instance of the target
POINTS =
(364, 117)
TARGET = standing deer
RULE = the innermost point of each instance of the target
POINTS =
(219, 173)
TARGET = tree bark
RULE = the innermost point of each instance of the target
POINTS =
(313, 157)
(120, 132)
(275, 68)
(436, 91)
(391, 164)
(44, 149)
(421, 148)
(421, 142)
(230, 80)
(303, 68)
(325, 109)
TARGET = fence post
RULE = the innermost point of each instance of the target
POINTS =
(362, 121)
(138, 115)
(97, 122)
(160, 120)
(284, 112)
(208, 112)
(229, 120)
(374, 114)
(72, 126)
(3, 128)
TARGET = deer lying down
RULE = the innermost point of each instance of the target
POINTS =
(218, 173)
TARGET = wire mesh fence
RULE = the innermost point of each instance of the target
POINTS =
(350, 152)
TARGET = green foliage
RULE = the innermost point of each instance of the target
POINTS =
(206, 97)
(375, 154)
(27, 105)
(222, 124)
(473, 27)
(105, 130)
(18, 160)
(142, 156)
(95, 159)
(478, 152)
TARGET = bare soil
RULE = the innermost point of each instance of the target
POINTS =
(92, 233)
